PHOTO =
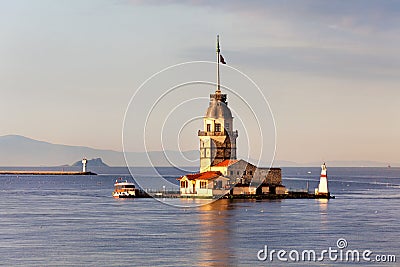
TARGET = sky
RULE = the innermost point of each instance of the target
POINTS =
(328, 69)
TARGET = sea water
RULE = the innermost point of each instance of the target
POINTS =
(74, 221)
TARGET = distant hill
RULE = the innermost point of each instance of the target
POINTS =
(97, 162)
(16, 150)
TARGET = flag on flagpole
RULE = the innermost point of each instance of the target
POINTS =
(221, 59)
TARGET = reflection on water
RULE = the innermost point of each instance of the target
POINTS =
(215, 232)
(74, 221)
(323, 211)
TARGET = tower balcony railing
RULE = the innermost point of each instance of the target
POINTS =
(213, 133)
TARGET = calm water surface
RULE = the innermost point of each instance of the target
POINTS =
(74, 221)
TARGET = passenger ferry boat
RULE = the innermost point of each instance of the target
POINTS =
(123, 189)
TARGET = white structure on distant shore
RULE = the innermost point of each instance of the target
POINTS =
(323, 182)
(84, 162)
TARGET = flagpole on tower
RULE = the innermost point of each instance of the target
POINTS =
(218, 59)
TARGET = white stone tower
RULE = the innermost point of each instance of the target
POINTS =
(218, 139)
(323, 182)
(84, 162)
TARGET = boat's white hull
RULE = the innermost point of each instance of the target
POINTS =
(124, 194)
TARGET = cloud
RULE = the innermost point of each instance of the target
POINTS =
(323, 61)
(357, 16)
(330, 38)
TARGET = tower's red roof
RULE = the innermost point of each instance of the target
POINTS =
(226, 163)
(202, 176)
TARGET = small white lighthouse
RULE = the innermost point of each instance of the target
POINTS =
(84, 161)
(323, 182)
